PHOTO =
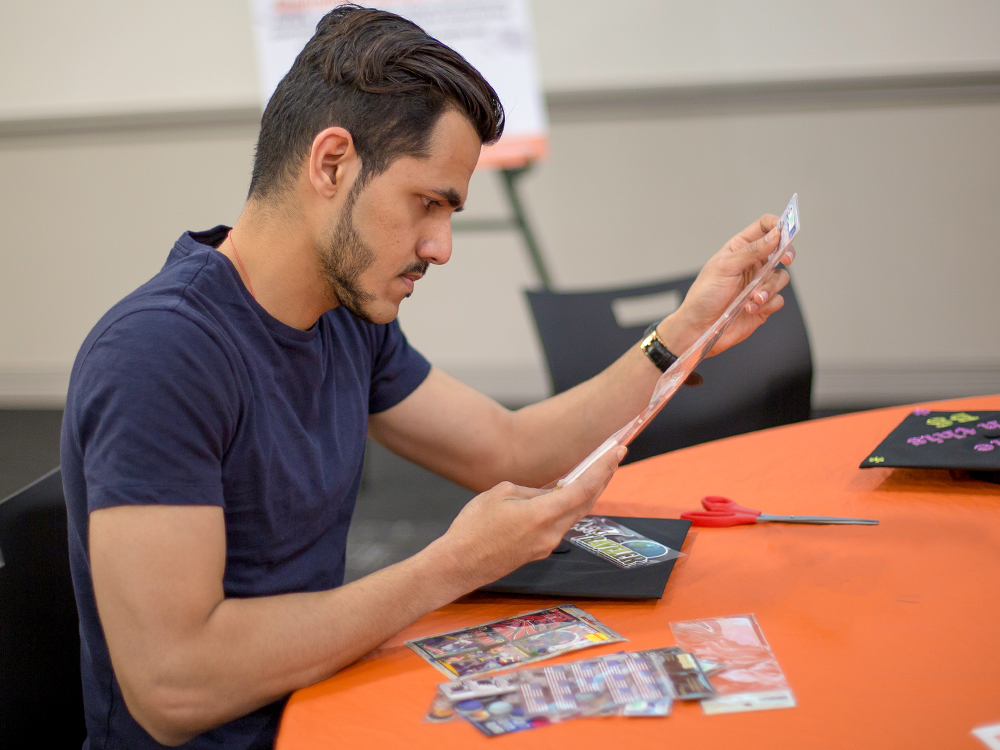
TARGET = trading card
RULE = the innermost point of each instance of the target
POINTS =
(481, 687)
(568, 638)
(532, 623)
(789, 222)
(591, 691)
(541, 698)
(441, 709)
(513, 641)
(470, 663)
(655, 697)
(617, 543)
(685, 674)
(465, 640)
(616, 673)
(499, 715)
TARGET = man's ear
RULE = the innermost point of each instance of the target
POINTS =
(333, 162)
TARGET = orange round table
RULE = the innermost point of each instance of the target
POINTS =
(889, 635)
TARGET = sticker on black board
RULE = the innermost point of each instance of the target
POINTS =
(926, 439)
(618, 544)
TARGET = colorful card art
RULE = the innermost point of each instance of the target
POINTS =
(513, 641)
(617, 543)
(928, 439)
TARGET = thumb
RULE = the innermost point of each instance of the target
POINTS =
(589, 485)
(758, 250)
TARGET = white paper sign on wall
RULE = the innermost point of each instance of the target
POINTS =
(494, 35)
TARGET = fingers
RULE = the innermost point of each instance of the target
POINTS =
(772, 305)
(768, 290)
(759, 249)
(578, 496)
(789, 256)
(758, 229)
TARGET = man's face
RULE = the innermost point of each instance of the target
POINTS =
(399, 223)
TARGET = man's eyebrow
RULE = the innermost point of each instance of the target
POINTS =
(451, 195)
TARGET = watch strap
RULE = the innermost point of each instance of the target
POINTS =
(662, 357)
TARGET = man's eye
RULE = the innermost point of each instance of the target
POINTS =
(428, 203)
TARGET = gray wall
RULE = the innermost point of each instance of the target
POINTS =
(122, 125)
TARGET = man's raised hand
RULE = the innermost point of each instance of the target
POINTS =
(723, 277)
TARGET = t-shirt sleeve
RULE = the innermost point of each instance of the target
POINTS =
(397, 370)
(156, 406)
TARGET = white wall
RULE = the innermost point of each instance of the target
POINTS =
(103, 164)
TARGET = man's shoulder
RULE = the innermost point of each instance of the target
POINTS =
(182, 296)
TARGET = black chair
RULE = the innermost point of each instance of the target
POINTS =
(41, 697)
(764, 381)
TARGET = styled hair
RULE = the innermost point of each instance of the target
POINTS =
(381, 78)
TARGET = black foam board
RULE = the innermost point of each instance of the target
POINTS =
(580, 574)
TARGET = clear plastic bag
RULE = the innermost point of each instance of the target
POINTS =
(748, 676)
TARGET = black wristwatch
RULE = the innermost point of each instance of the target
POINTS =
(662, 357)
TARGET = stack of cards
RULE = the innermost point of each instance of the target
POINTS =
(642, 683)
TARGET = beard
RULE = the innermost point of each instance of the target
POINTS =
(344, 256)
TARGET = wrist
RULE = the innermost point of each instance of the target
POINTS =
(675, 333)
(453, 569)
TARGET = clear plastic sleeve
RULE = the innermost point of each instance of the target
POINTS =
(618, 544)
(675, 375)
(747, 676)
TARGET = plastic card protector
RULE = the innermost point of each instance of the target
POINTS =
(748, 677)
(617, 543)
(576, 573)
(514, 641)
(685, 364)
(626, 684)
(941, 440)
(684, 671)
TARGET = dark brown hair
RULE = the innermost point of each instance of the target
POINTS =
(380, 77)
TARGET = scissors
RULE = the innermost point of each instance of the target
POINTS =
(721, 511)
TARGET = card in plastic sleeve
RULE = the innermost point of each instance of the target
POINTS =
(617, 543)
(513, 641)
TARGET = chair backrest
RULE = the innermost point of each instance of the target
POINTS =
(41, 697)
(763, 382)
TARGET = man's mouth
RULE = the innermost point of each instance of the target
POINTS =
(411, 276)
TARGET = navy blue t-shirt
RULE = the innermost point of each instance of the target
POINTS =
(187, 392)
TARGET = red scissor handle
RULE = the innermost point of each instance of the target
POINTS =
(718, 518)
(718, 503)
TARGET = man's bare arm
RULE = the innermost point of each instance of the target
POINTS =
(467, 437)
(188, 659)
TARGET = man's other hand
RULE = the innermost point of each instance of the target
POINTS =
(721, 279)
(508, 526)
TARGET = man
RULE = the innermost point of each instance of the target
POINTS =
(216, 417)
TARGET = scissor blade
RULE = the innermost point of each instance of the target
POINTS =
(817, 519)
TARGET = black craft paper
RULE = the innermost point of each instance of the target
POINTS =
(941, 440)
(578, 573)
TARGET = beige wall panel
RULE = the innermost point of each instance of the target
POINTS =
(66, 58)
(900, 247)
(86, 220)
(897, 271)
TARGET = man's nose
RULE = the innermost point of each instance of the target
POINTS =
(435, 246)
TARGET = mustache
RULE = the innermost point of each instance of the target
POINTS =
(419, 266)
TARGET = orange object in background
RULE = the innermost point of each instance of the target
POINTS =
(889, 635)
